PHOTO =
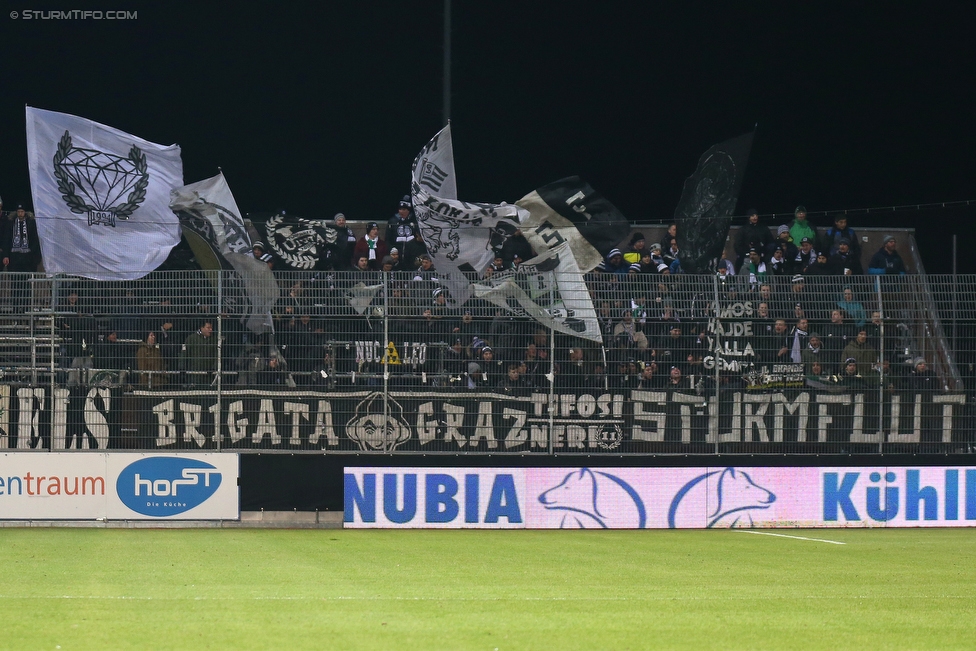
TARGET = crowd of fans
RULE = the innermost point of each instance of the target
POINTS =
(797, 248)
(797, 290)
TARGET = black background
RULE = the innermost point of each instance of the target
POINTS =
(320, 109)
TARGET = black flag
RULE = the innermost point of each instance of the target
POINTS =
(707, 203)
(569, 208)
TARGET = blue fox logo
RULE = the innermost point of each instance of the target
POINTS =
(595, 500)
(731, 497)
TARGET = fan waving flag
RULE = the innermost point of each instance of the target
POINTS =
(704, 212)
(101, 197)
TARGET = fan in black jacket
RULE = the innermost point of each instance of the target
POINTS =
(751, 236)
(845, 261)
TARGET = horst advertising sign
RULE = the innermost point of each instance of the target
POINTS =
(119, 486)
(659, 498)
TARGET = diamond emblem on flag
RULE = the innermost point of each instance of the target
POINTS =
(104, 185)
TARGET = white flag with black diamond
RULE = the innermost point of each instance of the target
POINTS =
(101, 197)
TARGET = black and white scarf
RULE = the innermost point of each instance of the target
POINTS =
(20, 243)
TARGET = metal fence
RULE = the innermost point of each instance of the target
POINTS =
(382, 362)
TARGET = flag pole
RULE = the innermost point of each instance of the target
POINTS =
(447, 63)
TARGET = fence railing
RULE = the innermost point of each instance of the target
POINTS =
(384, 363)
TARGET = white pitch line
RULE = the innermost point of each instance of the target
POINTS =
(783, 535)
(310, 598)
(670, 597)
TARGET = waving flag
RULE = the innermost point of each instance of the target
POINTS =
(210, 216)
(569, 210)
(550, 289)
(433, 168)
(464, 236)
(704, 212)
(459, 235)
(101, 197)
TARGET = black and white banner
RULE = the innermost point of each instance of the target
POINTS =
(208, 210)
(302, 244)
(457, 233)
(101, 197)
(569, 210)
(620, 421)
(461, 234)
(550, 289)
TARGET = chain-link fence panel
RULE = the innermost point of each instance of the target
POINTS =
(936, 376)
(80, 350)
(783, 343)
(373, 362)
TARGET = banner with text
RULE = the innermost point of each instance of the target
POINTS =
(659, 498)
(119, 486)
(443, 419)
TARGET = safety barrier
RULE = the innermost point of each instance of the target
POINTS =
(384, 362)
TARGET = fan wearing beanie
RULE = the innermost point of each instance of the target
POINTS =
(638, 247)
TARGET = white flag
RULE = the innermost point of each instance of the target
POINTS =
(101, 197)
(433, 168)
(361, 296)
(208, 208)
(456, 233)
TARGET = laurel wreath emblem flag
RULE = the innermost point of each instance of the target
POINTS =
(79, 169)
(101, 197)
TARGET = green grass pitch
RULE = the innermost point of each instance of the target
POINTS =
(320, 589)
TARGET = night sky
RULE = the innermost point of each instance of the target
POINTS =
(322, 109)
